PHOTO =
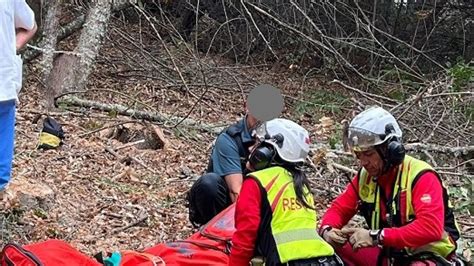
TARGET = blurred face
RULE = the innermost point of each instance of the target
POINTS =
(371, 161)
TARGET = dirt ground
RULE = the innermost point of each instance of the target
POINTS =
(101, 202)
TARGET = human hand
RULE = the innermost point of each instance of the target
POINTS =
(234, 184)
(359, 237)
(335, 237)
(233, 196)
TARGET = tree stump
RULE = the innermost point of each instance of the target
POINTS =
(27, 194)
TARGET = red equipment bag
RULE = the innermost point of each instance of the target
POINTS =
(132, 258)
(209, 246)
(50, 252)
(57, 252)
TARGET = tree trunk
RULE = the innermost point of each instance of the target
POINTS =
(48, 43)
(64, 32)
(90, 42)
(73, 26)
(71, 71)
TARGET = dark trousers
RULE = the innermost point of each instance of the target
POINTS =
(208, 196)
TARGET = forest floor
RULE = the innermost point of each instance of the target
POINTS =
(98, 202)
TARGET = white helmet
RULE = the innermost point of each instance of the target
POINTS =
(290, 140)
(372, 127)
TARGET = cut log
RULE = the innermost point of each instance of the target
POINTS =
(29, 194)
(155, 138)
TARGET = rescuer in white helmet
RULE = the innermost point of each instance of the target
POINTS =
(275, 214)
(401, 198)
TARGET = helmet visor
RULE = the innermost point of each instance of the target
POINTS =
(362, 140)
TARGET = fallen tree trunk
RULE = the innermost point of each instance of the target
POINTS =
(415, 147)
(154, 117)
(457, 151)
(215, 129)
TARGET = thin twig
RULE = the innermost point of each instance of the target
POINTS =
(363, 93)
(176, 68)
(140, 219)
(114, 153)
(258, 29)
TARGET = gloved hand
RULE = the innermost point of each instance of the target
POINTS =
(114, 259)
(359, 237)
(335, 237)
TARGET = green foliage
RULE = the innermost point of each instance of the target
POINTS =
(398, 94)
(461, 197)
(392, 73)
(92, 125)
(113, 113)
(40, 213)
(469, 111)
(295, 51)
(63, 106)
(470, 192)
(320, 101)
(335, 138)
(465, 108)
(462, 75)
(52, 232)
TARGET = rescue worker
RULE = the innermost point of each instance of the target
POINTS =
(220, 185)
(275, 213)
(402, 199)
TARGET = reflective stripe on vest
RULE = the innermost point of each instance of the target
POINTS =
(293, 226)
(407, 172)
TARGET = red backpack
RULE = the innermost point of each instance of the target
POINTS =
(209, 246)
(50, 252)
(57, 252)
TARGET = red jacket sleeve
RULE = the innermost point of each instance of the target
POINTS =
(428, 226)
(343, 208)
(247, 221)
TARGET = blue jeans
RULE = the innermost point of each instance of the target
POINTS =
(7, 138)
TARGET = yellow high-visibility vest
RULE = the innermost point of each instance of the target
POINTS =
(401, 206)
(292, 226)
